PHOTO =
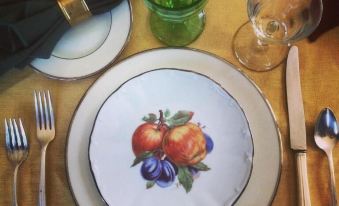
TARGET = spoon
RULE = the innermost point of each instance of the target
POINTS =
(325, 135)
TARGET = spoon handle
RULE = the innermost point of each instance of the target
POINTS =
(333, 188)
(304, 198)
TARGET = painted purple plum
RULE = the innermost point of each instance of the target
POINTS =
(167, 175)
(194, 172)
(151, 168)
(209, 143)
(173, 165)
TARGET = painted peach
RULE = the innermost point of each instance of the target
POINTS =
(185, 145)
(147, 137)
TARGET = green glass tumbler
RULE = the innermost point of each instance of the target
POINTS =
(177, 22)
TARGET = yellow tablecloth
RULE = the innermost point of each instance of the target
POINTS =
(319, 63)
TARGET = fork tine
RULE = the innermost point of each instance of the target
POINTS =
(48, 122)
(41, 112)
(17, 134)
(37, 119)
(51, 112)
(12, 133)
(23, 135)
(8, 136)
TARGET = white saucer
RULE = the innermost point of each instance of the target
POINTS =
(267, 159)
(90, 46)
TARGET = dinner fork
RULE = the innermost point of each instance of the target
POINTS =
(17, 150)
(45, 134)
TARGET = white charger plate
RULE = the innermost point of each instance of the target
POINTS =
(217, 113)
(89, 47)
(267, 157)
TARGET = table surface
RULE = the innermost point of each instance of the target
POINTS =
(319, 63)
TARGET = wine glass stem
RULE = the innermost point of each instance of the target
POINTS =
(262, 43)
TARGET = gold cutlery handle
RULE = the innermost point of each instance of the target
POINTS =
(332, 179)
(42, 184)
(14, 189)
(304, 198)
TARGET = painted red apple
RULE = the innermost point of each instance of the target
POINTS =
(148, 137)
(185, 145)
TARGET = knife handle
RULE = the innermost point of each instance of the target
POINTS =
(304, 198)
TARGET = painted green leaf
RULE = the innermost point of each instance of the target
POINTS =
(180, 118)
(185, 178)
(201, 167)
(141, 158)
(167, 113)
(150, 184)
(151, 118)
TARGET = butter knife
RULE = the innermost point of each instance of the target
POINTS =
(297, 124)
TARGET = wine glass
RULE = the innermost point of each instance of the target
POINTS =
(262, 43)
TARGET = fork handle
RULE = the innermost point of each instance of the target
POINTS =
(14, 193)
(42, 185)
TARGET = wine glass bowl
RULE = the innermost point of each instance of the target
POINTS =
(262, 43)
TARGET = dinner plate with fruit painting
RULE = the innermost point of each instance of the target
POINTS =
(90, 46)
(188, 129)
(171, 137)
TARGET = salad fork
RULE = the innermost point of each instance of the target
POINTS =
(17, 150)
(45, 134)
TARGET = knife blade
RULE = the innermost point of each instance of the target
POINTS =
(297, 124)
(295, 102)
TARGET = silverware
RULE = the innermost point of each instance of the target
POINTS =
(17, 150)
(45, 134)
(325, 136)
(297, 124)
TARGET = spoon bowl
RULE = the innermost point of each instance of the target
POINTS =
(326, 130)
(325, 136)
